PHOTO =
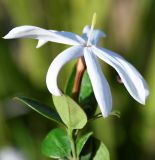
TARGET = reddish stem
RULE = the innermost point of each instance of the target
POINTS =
(80, 68)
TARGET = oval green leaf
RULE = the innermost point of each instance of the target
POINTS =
(102, 152)
(81, 142)
(42, 109)
(70, 112)
(56, 144)
(70, 82)
(86, 96)
(87, 151)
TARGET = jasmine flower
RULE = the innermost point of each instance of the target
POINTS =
(86, 45)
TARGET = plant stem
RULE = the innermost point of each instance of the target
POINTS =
(80, 68)
(70, 133)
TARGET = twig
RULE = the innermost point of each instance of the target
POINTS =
(80, 68)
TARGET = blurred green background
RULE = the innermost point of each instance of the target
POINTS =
(130, 28)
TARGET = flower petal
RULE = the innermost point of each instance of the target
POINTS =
(41, 43)
(56, 65)
(99, 83)
(97, 34)
(46, 35)
(132, 79)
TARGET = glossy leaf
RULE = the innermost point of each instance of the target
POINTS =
(102, 152)
(70, 112)
(86, 157)
(86, 96)
(56, 144)
(87, 150)
(70, 82)
(81, 142)
(42, 109)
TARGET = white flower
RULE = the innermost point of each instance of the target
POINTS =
(86, 46)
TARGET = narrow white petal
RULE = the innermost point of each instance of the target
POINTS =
(41, 43)
(46, 35)
(56, 65)
(132, 79)
(99, 83)
(70, 37)
(97, 34)
(85, 32)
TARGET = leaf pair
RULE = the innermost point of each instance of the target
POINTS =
(57, 145)
(69, 112)
(94, 149)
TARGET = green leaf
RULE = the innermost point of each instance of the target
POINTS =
(42, 109)
(70, 82)
(56, 144)
(87, 150)
(86, 96)
(81, 142)
(70, 112)
(102, 152)
(86, 157)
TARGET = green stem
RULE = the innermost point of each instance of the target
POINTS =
(70, 133)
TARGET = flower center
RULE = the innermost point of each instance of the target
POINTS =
(91, 30)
